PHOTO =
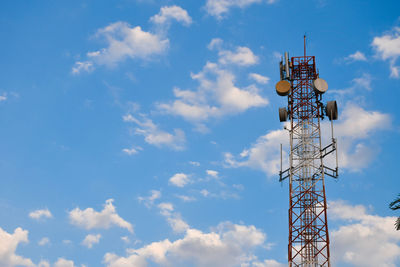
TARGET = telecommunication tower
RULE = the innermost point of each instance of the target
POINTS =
(308, 226)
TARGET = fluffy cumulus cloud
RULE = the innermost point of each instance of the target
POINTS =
(212, 173)
(216, 96)
(363, 240)
(242, 56)
(226, 245)
(174, 218)
(387, 47)
(132, 151)
(179, 179)
(40, 214)
(169, 13)
(123, 42)
(259, 78)
(356, 56)
(155, 136)
(263, 155)
(90, 240)
(219, 8)
(353, 131)
(8, 246)
(91, 219)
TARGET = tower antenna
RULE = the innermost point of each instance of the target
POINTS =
(308, 223)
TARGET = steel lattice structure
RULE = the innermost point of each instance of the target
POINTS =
(308, 227)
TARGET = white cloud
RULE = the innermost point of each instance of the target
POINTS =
(90, 240)
(212, 173)
(215, 44)
(169, 13)
(387, 47)
(243, 56)
(154, 136)
(166, 208)
(363, 82)
(263, 155)
(91, 219)
(185, 198)
(81, 66)
(149, 201)
(126, 42)
(364, 240)
(123, 42)
(132, 151)
(177, 224)
(9, 243)
(179, 179)
(3, 97)
(356, 122)
(174, 219)
(259, 78)
(353, 130)
(216, 96)
(357, 56)
(228, 245)
(219, 8)
(44, 241)
(61, 262)
(125, 239)
(40, 214)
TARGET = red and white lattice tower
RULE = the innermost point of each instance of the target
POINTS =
(308, 226)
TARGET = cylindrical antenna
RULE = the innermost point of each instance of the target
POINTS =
(287, 65)
(305, 45)
(281, 158)
(334, 141)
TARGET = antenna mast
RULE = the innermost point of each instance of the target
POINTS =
(308, 226)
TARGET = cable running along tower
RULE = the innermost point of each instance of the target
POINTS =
(308, 227)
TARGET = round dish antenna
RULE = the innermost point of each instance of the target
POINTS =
(282, 88)
(320, 86)
(331, 110)
(283, 114)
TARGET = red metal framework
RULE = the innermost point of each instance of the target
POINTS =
(308, 229)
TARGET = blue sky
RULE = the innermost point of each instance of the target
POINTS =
(146, 133)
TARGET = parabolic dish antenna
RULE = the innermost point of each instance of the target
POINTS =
(320, 86)
(282, 88)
